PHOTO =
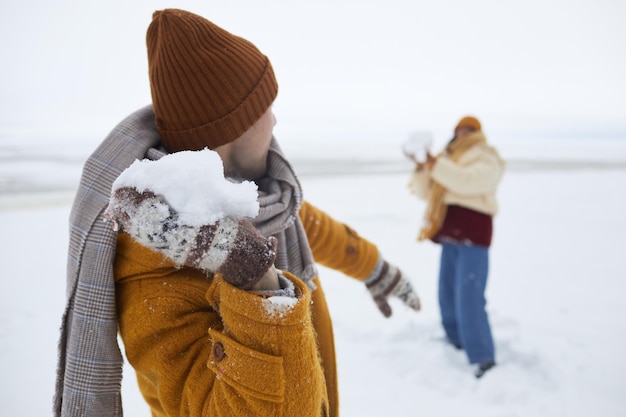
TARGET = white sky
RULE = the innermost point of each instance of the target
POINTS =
(371, 68)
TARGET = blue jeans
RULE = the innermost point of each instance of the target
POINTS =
(462, 282)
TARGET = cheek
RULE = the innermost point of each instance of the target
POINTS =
(265, 140)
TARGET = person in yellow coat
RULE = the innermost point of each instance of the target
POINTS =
(460, 187)
(206, 341)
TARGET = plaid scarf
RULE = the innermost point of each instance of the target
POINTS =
(436, 208)
(280, 198)
(89, 371)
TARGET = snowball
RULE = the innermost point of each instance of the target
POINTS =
(193, 184)
(418, 144)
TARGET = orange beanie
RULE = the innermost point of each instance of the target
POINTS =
(469, 121)
(208, 86)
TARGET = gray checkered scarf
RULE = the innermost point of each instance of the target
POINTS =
(90, 362)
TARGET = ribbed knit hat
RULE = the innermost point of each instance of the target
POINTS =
(208, 86)
(469, 121)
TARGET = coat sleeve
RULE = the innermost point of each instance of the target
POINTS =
(204, 347)
(480, 175)
(420, 184)
(336, 245)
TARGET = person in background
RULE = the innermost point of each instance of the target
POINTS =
(460, 187)
(206, 344)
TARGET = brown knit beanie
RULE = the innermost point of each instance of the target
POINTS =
(208, 86)
(469, 121)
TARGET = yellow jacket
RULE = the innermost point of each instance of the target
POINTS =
(202, 347)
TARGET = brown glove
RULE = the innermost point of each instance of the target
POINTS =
(387, 281)
(231, 246)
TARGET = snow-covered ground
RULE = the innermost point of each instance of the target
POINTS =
(555, 294)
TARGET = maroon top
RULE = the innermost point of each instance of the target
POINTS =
(465, 226)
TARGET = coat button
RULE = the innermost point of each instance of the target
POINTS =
(218, 351)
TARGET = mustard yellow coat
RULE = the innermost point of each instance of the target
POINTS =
(201, 347)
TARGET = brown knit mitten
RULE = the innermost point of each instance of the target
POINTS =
(387, 281)
(231, 246)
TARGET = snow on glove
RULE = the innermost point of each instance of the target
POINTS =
(230, 245)
(387, 281)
